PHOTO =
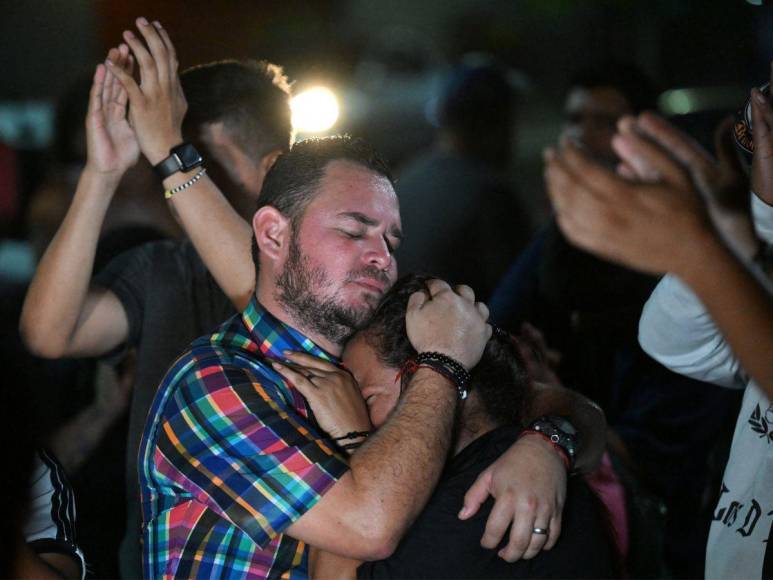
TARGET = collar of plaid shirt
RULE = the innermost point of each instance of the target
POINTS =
(270, 336)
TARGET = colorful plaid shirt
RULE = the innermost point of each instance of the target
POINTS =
(230, 457)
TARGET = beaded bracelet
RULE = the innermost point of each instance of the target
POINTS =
(170, 192)
(443, 365)
(352, 435)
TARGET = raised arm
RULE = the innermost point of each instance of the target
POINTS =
(221, 237)
(663, 226)
(61, 315)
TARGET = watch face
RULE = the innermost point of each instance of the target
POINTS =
(188, 155)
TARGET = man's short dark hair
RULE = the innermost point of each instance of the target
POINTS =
(629, 79)
(293, 180)
(499, 378)
(251, 98)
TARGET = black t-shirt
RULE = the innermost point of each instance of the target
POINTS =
(170, 299)
(439, 545)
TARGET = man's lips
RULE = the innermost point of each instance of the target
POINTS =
(373, 285)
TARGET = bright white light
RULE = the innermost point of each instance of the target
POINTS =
(314, 110)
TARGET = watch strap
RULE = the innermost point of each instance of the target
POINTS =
(560, 432)
(182, 157)
(168, 166)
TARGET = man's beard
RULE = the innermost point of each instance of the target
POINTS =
(298, 289)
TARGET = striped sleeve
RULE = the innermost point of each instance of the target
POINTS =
(50, 526)
(237, 445)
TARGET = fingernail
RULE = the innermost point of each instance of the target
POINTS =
(128, 34)
(462, 512)
(142, 21)
(108, 62)
(157, 24)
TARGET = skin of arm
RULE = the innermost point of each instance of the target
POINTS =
(74, 442)
(221, 237)
(61, 315)
(528, 481)
(364, 515)
(46, 565)
(390, 479)
(741, 305)
(663, 226)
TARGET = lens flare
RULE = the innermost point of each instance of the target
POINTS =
(314, 110)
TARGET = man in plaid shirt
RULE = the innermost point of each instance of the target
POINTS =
(236, 476)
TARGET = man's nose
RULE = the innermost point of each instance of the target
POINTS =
(379, 254)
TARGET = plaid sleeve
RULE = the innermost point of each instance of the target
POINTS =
(237, 446)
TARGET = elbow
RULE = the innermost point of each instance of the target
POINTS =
(377, 535)
(377, 546)
(39, 342)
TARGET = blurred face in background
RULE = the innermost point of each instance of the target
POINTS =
(590, 117)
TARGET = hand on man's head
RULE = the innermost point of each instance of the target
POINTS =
(448, 320)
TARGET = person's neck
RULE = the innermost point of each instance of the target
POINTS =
(473, 423)
(278, 311)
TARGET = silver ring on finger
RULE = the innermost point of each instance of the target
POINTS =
(540, 531)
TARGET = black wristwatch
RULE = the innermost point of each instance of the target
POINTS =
(560, 432)
(183, 158)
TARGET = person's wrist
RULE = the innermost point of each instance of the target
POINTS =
(442, 364)
(696, 252)
(159, 150)
(103, 176)
(550, 449)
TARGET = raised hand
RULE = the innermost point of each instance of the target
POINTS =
(157, 103)
(110, 141)
(721, 182)
(448, 321)
(331, 391)
(657, 225)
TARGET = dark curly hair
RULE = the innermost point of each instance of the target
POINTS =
(499, 379)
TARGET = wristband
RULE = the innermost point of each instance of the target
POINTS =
(560, 433)
(353, 435)
(560, 450)
(170, 192)
(442, 364)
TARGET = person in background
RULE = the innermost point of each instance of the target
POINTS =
(460, 185)
(712, 316)
(159, 296)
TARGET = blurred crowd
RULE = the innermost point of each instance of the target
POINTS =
(646, 291)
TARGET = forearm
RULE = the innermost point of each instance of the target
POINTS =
(58, 290)
(397, 469)
(364, 515)
(76, 440)
(221, 237)
(585, 415)
(327, 566)
(741, 306)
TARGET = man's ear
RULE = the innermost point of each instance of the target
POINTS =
(272, 232)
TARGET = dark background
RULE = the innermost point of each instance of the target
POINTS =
(384, 59)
